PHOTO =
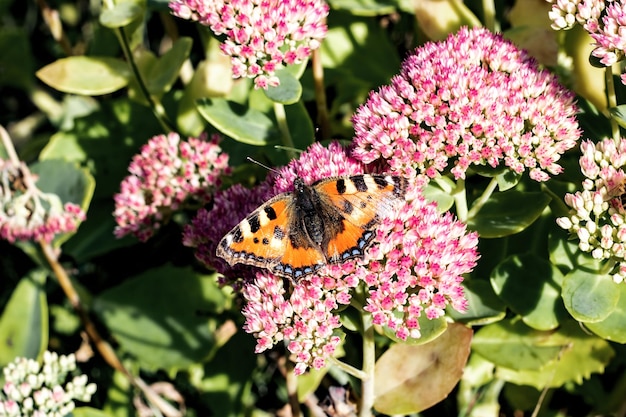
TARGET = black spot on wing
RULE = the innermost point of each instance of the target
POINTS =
(347, 207)
(270, 212)
(254, 222)
(359, 183)
(279, 233)
(341, 186)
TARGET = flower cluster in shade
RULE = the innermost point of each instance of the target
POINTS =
(597, 216)
(473, 99)
(604, 20)
(414, 270)
(260, 36)
(34, 389)
(166, 175)
(27, 213)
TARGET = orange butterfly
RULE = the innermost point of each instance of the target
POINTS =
(333, 220)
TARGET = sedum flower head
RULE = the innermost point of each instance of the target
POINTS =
(414, 270)
(597, 216)
(260, 35)
(34, 389)
(167, 174)
(27, 213)
(566, 13)
(474, 99)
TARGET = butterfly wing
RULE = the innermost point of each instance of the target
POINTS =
(270, 238)
(361, 201)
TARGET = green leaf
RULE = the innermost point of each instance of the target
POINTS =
(300, 125)
(589, 296)
(86, 75)
(16, 59)
(121, 14)
(429, 330)
(512, 344)
(24, 321)
(88, 412)
(411, 378)
(160, 316)
(288, 92)
(443, 199)
(581, 354)
(65, 179)
(565, 253)
(508, 213)
(364, 7)
(241, 123)
(484, 306)
(95, 235)
(105, 141)
(531, 287)
(226, 383)
(613, 326)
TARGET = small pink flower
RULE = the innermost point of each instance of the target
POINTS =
(166, 175)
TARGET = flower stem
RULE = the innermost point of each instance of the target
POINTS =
(281, 118)
(369, 360)
(460, 200)
(611, 100)
(478, 204)
(320, 95)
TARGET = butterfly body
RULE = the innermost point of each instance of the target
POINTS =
(333, 220)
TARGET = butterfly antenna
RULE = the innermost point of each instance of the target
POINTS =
(270, 169)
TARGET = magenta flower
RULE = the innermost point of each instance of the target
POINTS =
(261, 36)
(167, 174)
(414, 269)
(597, 217)
(474, 99)
(566, 13)
(230, 206)
(27, 213)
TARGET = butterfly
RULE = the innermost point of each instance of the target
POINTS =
(330, 221)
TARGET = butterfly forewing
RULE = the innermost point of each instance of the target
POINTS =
(261, 238)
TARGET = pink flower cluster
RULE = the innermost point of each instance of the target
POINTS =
(28, 214)
(415, 269)
(167, 174)
(474, 99)
(261, 35)
(604, 20)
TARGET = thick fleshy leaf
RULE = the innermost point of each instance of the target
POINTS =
(531, 287)
(508, 213)
(484, 306)
(86, 75)
(288, 92)
(411, 378)
(121, 14)
(241, 123)
(88, 412)
(589, 296)
(565, 254)
(364, 7)
(580, 355)
(613, 327)
(24, 320)
(512, 344)
(429, 330)
(619, 114)
(160, 316)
